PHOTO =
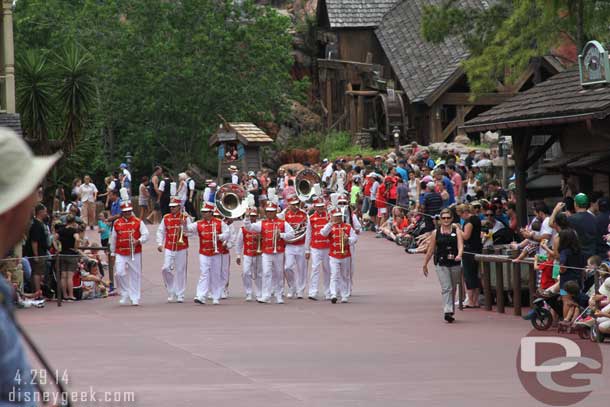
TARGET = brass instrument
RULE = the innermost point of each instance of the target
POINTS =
(132, 245)
(305, 184)
(342, 239)
(299, 232)
(259, 248)
(215, 239)
(231, 201)
(275, 236)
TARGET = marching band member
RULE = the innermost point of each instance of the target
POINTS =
(225, 254)
(212, 232)
(250, 245)
(274, 232)
(317, 247)
(296, 263)
(352, 220)
(342, 236)
(128, 235)
(172, 240)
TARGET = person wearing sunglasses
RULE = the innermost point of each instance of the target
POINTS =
(447, 246)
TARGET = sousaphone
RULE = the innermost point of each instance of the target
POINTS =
(307, 185)
(231, 201)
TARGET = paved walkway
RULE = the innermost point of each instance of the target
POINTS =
(388, 347)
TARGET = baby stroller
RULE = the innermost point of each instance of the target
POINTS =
(409, 240)
(542, 319)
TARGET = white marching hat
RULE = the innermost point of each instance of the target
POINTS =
(22, 171)
(125, 201)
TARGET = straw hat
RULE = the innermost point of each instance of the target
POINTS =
(21, 170)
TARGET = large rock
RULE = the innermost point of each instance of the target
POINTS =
(462, 139)
(439, 148)
(490, 138)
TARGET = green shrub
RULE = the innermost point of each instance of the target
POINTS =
(332, 145)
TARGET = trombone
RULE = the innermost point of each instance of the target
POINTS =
(132, 245)
(275, 236)
(215, 239)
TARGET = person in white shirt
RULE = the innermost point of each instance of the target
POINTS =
(328, 171)
(234, 174)
(88, 196)
(182, 188)
(126, 177)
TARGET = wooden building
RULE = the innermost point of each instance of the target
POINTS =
(238, 144)
(377, 73)
(564, 111)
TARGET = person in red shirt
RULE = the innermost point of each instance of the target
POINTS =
(381, 202)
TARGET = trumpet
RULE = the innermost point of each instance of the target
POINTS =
(132, 245)
(215, 239)
(275, 235)
(259, 241)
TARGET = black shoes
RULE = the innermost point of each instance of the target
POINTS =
(449, 317)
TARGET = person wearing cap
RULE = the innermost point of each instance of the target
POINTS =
(328, 171)
(583, 222)
(250, 245)
(316, 248)
(295, 261)
(225, 254)
(234, 174)
(342, 236)
(172, 241)
(212, 233)
(351, 219)
(128, 235)
(274, 232)
(252, 187)
(21, 174)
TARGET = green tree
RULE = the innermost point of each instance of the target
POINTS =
(165, 70)
(503, 37)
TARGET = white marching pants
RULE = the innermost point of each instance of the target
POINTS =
(319, 262)
(128, 275)
(253, 267)
(273, 275)
(175, 281)
(339, 273)
(210, 278)
(296, 268)
(352, 268)
(225, 269)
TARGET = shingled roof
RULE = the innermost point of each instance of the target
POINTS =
(246, 133)
(560, 99)
(421, 67)
(357, 13)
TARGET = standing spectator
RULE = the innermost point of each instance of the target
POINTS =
(355, 192)
(164, 196)
(602, 220)
(252, 186)
(182, 188)
(584, 224)
(432, 204)
(234, 174)
(381, 202)
(190, 194)
(328, 171)
(125, 177)
(469, 160)
(414, 182)
(366, 189)
(373, 198)
(471, 186)
(103, 228)
(115, 206)
(472, 244)
(402, 194)
(448, 186)
(456, 180)
(402, 170)
(143, 197)
(76, 183)
(68, 236)
(155, 194)
(37, 246)
(88, 196)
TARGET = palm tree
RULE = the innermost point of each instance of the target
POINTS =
(34, 89)
(76, 93)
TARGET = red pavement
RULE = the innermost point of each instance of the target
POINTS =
(388, 347)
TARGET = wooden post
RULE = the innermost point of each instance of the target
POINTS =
(531, 283)
(360, 115)
(516, 288)
(329, 102)
(521, 145)
(500, 288)
(436, 128)
(486, 277)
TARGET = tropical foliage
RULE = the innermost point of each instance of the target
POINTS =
(161, 74)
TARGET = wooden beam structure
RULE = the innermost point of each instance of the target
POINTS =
(522, 140)
(464, 98)
(458, 121)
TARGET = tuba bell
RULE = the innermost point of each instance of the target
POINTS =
(307, 184)
(231, 201)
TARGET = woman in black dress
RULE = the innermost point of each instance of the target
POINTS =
(472, 244)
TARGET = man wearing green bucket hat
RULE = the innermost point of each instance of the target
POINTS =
(584, 223)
